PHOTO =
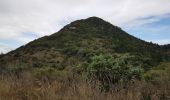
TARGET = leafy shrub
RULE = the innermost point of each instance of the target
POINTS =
(159, 73)
(49, 73)
(110, 70)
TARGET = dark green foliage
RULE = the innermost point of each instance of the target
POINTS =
(159, 73)
(166, 51)
(49, 73)
(93, 49)
(110, 70)
(82, 39)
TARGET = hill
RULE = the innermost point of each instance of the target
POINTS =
(89, 59)
(166, 50)
(77, 42)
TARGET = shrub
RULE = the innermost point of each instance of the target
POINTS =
(159, 73)
(110, 70)
(49, 73)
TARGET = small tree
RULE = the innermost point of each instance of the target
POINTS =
(1, 54)
(110, 70)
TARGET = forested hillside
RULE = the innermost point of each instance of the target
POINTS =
(79, 41)
(88, 59)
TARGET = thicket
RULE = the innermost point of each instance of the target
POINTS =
(111, 70)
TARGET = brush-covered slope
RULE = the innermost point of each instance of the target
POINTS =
(166, 51)
(76, 42)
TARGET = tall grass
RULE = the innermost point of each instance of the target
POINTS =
(28, 87)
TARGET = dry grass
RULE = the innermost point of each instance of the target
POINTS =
(28, 87)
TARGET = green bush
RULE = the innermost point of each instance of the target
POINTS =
(110, 70)
(50, 73)
(159, 73)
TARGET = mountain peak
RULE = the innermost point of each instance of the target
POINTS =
(91, 20)
(91, 23)
(79, 40)
(94, 18)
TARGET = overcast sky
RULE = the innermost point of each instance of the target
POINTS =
(22, 21)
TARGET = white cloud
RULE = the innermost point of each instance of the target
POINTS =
(44, 17)
(4, 48)
(161, 42)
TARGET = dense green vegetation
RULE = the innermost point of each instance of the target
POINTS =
(79, 41)
(95, 52)
(110, 70)
(52, 84)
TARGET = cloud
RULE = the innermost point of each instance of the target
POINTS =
(44, 17)
(4, 48)
(161, 42)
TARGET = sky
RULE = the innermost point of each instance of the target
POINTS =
(22, 21)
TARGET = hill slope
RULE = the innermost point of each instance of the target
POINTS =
(166, 50)
(76, 42)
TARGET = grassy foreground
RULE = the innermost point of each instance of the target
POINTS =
(25, 86)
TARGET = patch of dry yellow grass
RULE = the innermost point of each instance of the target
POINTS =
(28, 87)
